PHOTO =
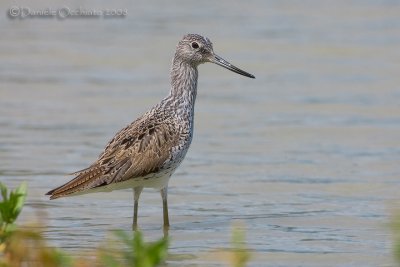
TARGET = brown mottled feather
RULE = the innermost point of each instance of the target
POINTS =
(137, 150)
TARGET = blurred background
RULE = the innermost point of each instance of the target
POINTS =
(306, 156)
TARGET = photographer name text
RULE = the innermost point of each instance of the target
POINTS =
(24, 12)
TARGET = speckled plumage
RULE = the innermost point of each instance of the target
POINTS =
(154, 145)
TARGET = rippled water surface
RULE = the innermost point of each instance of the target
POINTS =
(306, 156)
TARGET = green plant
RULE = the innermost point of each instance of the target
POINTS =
(10, 207)
(240, 252)
(22, 247)
(395, 225)
(29, 248)
(136, 252)
(238, 255)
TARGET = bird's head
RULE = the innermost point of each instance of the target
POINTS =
(195, 49)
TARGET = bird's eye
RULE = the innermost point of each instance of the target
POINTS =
(195, 45)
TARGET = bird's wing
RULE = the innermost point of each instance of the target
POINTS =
(137, 150)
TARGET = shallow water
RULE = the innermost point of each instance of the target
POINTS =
(306, 156)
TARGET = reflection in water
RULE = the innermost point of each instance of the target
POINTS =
(306, 155)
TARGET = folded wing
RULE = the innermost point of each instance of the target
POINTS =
(136, 151)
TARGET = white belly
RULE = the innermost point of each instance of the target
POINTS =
(154, 180)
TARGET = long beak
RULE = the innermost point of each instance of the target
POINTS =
(223, 63)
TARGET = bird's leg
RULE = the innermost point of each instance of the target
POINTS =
(136, 195)
(164, 196)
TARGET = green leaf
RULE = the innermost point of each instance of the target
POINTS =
(241, 254)
(157, 251)
(139, 253)
(123, 236)
(10, 207)
(3, 190)
(21, 193)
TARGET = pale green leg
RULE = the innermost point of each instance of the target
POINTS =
(136, 195)
(164, 196)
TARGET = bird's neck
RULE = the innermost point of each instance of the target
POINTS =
(183, 86)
